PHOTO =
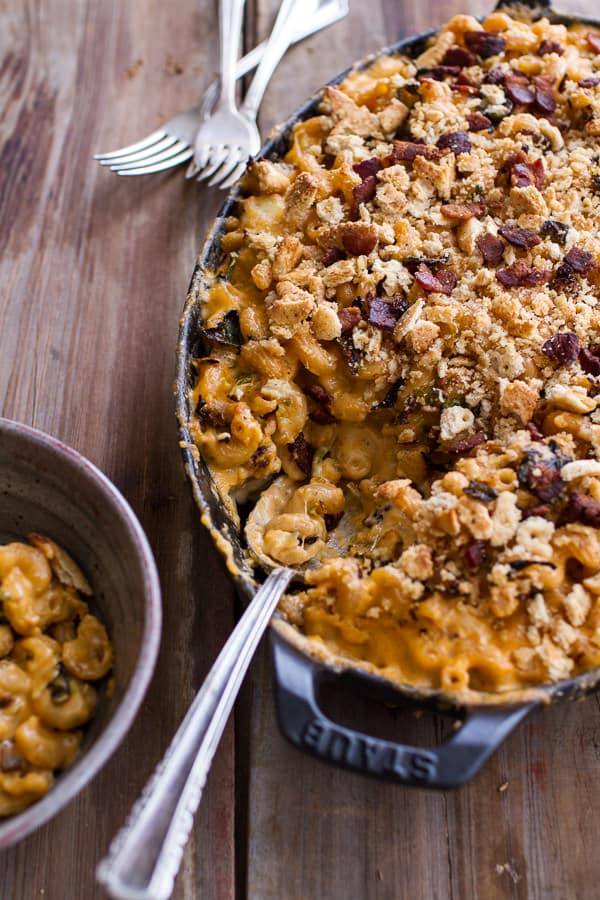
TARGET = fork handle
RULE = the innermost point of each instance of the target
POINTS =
(286, 25)
(230, 29)
(144, 858)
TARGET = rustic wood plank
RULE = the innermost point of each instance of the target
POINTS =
(94, 271)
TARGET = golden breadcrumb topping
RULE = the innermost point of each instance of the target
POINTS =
(403, 360)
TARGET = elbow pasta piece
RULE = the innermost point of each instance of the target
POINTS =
(15, 690)
(39, 656)
(44, 747)
(293, 538)
(418, 353)
(237, 446)
(67, 713)
(44, 691)
(291, 410)
(20, 789)
(312, 354)
(29, 561)
(7, 640)
(89, 655)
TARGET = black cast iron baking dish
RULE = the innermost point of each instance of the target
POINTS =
(298, 675)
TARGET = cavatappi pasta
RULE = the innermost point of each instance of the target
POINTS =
(51, 648)
(403, 345)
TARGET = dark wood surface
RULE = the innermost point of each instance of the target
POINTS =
(93, 273)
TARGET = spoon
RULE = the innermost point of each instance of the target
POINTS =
(144, 857)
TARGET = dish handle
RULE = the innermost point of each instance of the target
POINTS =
(450, 765)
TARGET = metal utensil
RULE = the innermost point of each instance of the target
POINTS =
(226, 140)
(227, 136)
(144, 857)
(172, 144)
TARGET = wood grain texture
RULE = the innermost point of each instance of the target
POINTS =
(93, 273)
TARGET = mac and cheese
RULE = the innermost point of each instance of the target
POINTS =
(403, 358)
(51, 648)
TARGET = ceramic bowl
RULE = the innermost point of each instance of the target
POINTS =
(49, 488)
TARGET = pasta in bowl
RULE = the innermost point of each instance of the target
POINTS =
(52, 650)
(399, 307)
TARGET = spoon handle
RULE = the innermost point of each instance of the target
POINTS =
(144, 857)
(282, 35)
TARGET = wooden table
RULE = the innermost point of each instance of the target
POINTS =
(94, 271)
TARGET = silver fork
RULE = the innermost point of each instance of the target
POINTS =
(230, 136)
(172, 144)
(227, 136)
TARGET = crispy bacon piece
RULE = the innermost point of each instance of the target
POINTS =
(227, 331)
(456, 141)
(322, 414)
(443, 282)
(412, 263)
(465, 445)
(589, 360)
(522, 172)
(564, 277)
(368, 167)
(302, 453)
(209, 418)
(463, 211)
(518, 89)
(406, 151)
(589, 82)
(475, 554)
(390, 397)
(438, 73)
(478, 122)
(363, 193)
(547, 47)
(464, 87)
(521, 275)
(332, 255)
(384, 314)
(593, 40)
(479, 490)
(484, 43)
(556, 231)
(529, 173)
(349, 318)
(522, 238)
(458, 56)
(545, 101)
(576, 262)
(541, 510)
(534, 431)
(541, 475)
(358, 238)
(491, 248)
(447, 279)
(562, 347)
(494, 76)
(580, 260)
(581, 508)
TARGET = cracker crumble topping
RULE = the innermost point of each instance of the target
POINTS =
(402, 360)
